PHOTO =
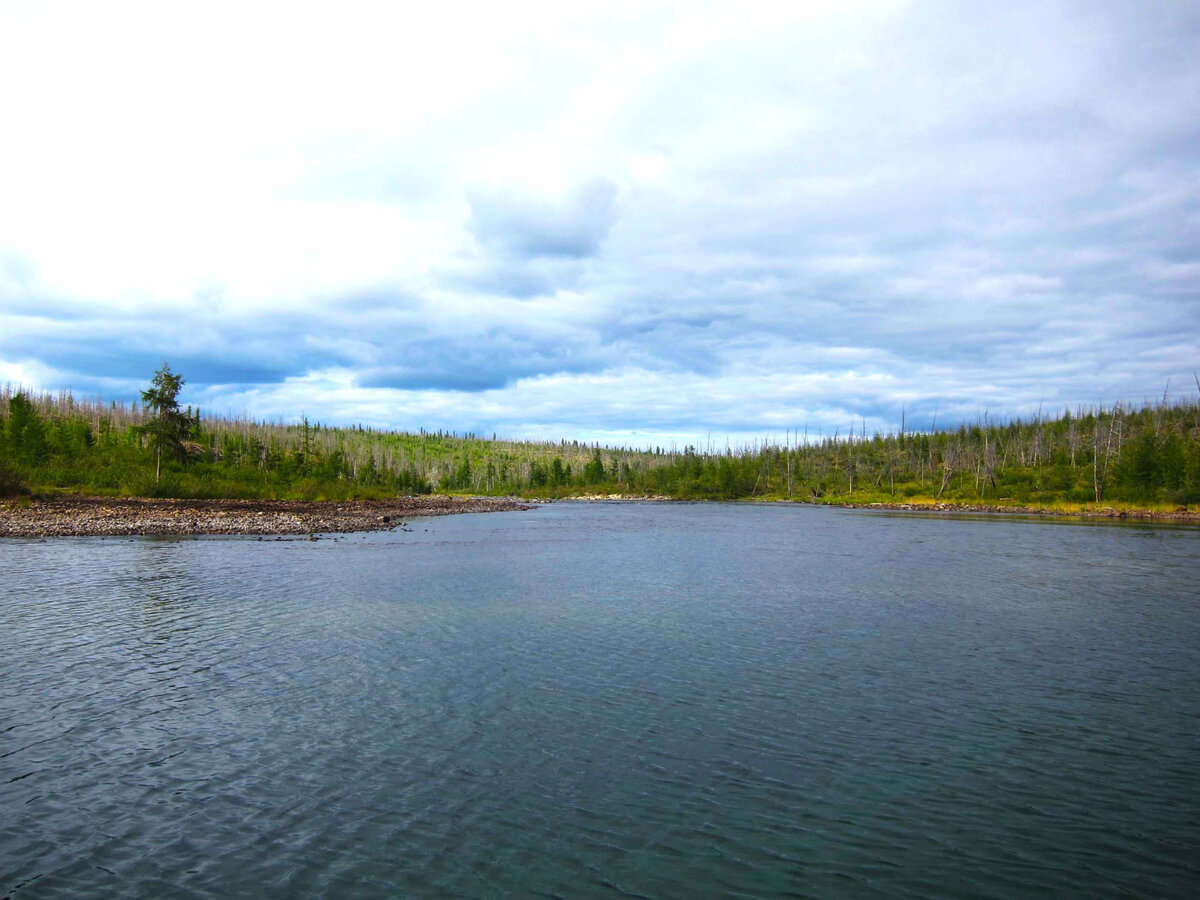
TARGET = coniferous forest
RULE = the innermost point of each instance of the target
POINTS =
(1146, 457)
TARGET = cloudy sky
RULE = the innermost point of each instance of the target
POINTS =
(630, 223)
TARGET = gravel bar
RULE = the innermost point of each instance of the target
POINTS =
(78, 516)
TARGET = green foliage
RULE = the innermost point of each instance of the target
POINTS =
(594, 472)
(558, 474)
(1142, 456)
(169, 426)
(25, 432)
(10, 483)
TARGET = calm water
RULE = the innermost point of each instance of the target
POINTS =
(606, 700)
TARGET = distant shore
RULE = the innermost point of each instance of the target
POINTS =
(75, 516)
(1096, 512)
(1178, 514)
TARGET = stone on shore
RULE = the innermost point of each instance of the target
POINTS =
(78, 516)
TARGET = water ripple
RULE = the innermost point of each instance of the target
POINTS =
(602, 700)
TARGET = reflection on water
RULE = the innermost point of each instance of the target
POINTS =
(599, 699)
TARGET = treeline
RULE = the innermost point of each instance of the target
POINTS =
(1143, 456)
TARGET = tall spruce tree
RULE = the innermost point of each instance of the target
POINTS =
(170, 425)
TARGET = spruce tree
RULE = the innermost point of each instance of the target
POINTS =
(170, 425)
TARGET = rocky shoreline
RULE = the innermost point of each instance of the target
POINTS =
(71, 516)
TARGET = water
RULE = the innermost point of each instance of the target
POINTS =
(606, 700)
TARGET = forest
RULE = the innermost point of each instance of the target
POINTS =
(1147, 456)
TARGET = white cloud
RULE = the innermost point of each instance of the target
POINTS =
(658, 218)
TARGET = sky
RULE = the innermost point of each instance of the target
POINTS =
(632, 223)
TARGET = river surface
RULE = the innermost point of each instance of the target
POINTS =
(651, 700)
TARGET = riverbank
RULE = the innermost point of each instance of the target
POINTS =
(73, 515)
(1087, 511)
(64, 516)
(1180, 514)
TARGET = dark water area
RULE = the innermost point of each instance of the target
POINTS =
(649, 700)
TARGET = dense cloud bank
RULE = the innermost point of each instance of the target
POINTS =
(647, 224)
